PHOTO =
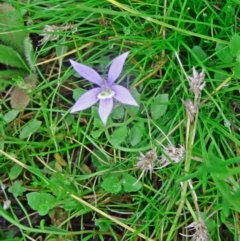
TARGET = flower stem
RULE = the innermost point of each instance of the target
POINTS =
(190, 135)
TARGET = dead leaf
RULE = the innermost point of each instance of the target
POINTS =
(19, 99)
(19, 96)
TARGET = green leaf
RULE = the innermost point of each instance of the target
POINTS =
(12, 73)
(96, 134)
(97, 123)
(117, 113)
(31, 127)
(218, 171)
(9, 56)
(130, 183)
(77, 93)
(41, 202)
(159, 106)
(3, 85)
(10, 116)
(133, 110)
(15, 171)
(223, 53)
(235, 45)
(199, 52)
(29, 53)
(225, 210)
(17, 189)
(119, 135)
(236, 70)
(1, 146)
(11, 28)
(221, 75)
(111, 184)
(6, 75)
(136, 133)
(102, 224)
(96, 160)
(72, 205)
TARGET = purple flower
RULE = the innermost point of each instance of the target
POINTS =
(106, 91)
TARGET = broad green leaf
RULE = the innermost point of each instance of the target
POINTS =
(102, 224)
(236, 70)
(111, 184)
(221, 75)
(130, 183)
(15, 171)
(223, 53)
(136, 133)
(199, 53)
(10, 57)
(225, 211)
(235, 45)
(77, 93)
(17, 189)
(61, 181)
(10, 116)
(159, 106)
(1, 146)
(98, 158)
(97, 123)
(28, 129)
(218, 172)
(41, 202)
(96, 134)
(3, 84)
(71, 204)
(12, 28)
(12, 73)
(6, 75)
(119, 135)
(133, 110)
(118, 112)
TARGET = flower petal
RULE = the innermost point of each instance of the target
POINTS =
(105, 108)
(86, 100)
(87, 72)
(123, 95)
(116, 67)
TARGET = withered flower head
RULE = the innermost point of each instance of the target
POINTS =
(200, 231)
(171, 153)
(196, 82)
(191, 109)
(147, 162)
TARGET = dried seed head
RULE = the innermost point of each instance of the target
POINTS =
(201, 232)
(191, 109)
(50, 30)
(171, 153)
(147, 162)
(200, 229)
(48, 33)
(196, 82)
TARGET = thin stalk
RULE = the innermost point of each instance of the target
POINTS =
(190, 133)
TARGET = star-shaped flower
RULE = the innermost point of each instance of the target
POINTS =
(106, 91)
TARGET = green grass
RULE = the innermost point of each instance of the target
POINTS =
(82, 172)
